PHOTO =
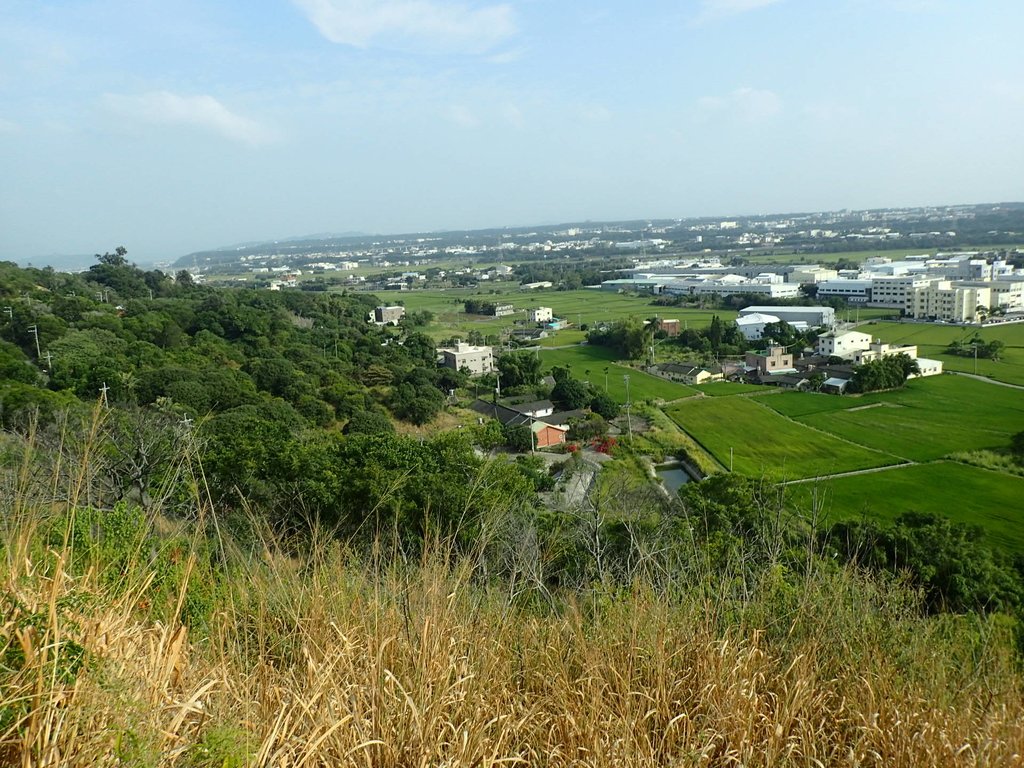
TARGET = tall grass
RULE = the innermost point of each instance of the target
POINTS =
(319, 655)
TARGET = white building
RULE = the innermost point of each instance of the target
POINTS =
(929, 367)
(810, 274)
(1004, 293)
(854, 291)
(477, 359)
(892, 292)
(843, 344)
(540, 315)
(877, 350)
(388, 315)
(752, 325)
(941, 300)
(815, 317)
(731, 284)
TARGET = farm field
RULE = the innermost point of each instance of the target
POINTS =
(586, 306)
(927, 420)
(963, 493)
(766, 443)
(932, 340)
(642, 386)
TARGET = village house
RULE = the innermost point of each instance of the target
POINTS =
(477, 360)
(388, 315)
(843, 344)
(773, 360)
(688, 373)
(547, 430)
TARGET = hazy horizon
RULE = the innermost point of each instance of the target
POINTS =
(176, 129)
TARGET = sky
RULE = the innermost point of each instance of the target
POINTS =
(170, 127)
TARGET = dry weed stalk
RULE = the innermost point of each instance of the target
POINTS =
(331, 660)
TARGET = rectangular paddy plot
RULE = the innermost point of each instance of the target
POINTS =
(992, 500)
(587, 363)
(764, 443)
(927, 420)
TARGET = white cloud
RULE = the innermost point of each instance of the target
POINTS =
(712, 10)
(595, 113)
(513, 115)
(463, 117)
(748, 104)
(429, 25)
(203, 111)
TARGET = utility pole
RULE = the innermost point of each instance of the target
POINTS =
(9, 312)
(34, 330)
(606, 379)
(975, 359)
(730, 458)
(103, 394)
(49, 364)
(629, 416)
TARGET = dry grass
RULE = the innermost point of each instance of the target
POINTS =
(332, 666)
(332, 660)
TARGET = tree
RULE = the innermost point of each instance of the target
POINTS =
(716, 332)
(116, 259)
(571, 394)
(1017, 447)
(949, 561)
(816, 380)
(421, 348)
(369, 423)
(782, 333)
(602, 404)
(519, 369)
(889, 372)
(518, 437)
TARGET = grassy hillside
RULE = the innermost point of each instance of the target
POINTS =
(324, 659)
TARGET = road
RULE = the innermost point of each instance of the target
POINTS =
(850, 474)
(987, 379)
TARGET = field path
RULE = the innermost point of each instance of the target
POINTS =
(849, 474)
(986, 379)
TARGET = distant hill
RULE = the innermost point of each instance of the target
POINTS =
(947, 226)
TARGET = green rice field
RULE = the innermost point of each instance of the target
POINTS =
(588, 363)
(928, 419)
(966, 494)
(760, 442)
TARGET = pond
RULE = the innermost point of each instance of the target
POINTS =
(674, 476)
